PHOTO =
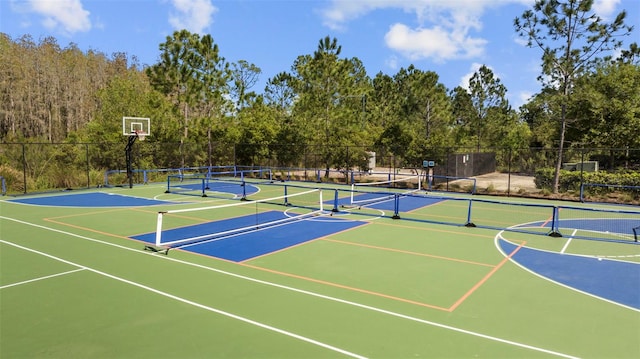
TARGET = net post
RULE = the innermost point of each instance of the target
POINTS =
(286, 199)
(554, 224)
(469, 223)
(335, 202)
(635, 233)
(396, 207)
(321, 201)
(159, 228)
(204, 188)
(168, 184)
(244, 191)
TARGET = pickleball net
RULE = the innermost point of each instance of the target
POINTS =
(369, 193)
(181, 227)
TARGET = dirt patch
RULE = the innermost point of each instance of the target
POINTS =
(504, 182)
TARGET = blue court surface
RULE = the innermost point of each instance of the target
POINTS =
(213, 186)
(386, 202)
(612, 280)
(90, 200)
(256, 242)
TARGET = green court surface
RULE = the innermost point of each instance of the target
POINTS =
(74, 283)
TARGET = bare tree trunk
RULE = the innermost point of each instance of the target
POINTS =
(563, 126)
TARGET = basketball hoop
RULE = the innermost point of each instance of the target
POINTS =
(141, 135)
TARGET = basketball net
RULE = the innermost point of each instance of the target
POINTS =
(141, 135)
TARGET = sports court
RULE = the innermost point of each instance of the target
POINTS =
(242, 267)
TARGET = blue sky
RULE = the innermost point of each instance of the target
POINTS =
(450, 37)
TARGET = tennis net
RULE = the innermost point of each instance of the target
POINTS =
(180, 227)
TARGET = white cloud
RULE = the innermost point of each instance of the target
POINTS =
(443, 31)
(520, 41)
(605, 8)
(464, 80)
(435, 43)
(67, 16)
(192, 15)
(524, 97)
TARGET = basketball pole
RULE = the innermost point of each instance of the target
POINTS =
(127, 150)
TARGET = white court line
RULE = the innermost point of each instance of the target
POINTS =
(499, 236)
(41, 278)
(568, 241)
(195, 304)
(338, 300)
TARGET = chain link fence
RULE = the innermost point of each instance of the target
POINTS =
(36, 167)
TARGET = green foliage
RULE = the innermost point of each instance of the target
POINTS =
(572, 180)
(325, 113)
(607, 106)
(570, 36)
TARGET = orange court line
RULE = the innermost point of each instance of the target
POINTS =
(364, 291)
(300, 244)
(85, 228)
(89, 213)
(344, 287)
(485, 278)
(409, 252)
(435, 230)
(548, 220)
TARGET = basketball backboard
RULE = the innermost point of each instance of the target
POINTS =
(132, 126)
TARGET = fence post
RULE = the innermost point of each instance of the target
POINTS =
(24, 167)
(86, 147)
(509, 174)
(581, 171)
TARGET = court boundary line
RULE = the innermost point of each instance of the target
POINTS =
(525, 226)
(566, 245)
(310, 293)
(460, 300)
(409, 252)
(343, 286)
(486, 277)
(17, 200)
(40, 278)
(190, 302)
(499, 237)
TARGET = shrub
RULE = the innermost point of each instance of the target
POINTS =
(572, 180)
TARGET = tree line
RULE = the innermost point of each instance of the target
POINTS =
(60, 94)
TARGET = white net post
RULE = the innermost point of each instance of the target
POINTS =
(159, 228)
